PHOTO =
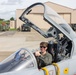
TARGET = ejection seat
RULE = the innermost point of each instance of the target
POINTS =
(52, 49)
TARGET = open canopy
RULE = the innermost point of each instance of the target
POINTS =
(49, 20)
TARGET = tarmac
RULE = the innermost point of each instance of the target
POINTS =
(11, 41)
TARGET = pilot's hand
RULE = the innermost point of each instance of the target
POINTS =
(37, 53)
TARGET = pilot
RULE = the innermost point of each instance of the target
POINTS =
(43, 57)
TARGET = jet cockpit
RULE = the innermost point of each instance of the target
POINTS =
(49, 24)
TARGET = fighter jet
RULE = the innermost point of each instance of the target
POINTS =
(24, 62)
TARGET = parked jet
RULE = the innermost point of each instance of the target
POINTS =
(24, 62)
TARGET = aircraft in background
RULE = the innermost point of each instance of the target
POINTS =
(24, 62)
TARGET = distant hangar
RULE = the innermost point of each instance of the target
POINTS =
(67, 13)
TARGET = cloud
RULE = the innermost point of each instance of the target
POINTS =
(7, 11)
(10, 2)
(6, 16)
(8, 7)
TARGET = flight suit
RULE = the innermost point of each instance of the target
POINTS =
(44, 60)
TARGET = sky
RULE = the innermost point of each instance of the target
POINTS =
(8, 7)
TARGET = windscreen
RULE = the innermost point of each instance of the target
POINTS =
(17, 61)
